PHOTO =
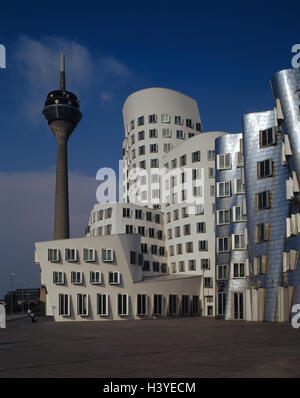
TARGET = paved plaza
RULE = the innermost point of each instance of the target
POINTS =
(190, 347)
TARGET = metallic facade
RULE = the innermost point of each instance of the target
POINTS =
(230, 144)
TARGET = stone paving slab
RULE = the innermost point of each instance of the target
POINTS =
(189, 347)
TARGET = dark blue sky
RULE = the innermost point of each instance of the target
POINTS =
(222, 53)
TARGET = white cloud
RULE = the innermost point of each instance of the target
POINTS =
(87, 73)
(27, 215)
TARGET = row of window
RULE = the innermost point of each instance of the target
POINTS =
(54, 255)
(195, 157)
(155, 267)
(164, 118)
(189, 247)
(238, 271)
(77, 278)
(140, 215)
(101, 214)
(224, 188)
(153, 249)
(190, 265)
(235, 242)
(152, 233)
(226, 216)
(154, 133)
(184, 305)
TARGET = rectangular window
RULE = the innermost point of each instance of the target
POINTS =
(199, 209)
(141, 135)
(152, 118)
(239, 270)
(140, 121)
(64, 304)
(203, 245)
(211, 155)
(182, 160)
(238, 214)
(223, 189)
(238, 242)
(53, 255)
(168, 148)
(196, 174)
(211, 172)
(154, 163)
(141, 150)
(201, 227)
(141, 304)
(196, 156)
(152, 133)
(267, 137)
(82, 304)
(239, 159)
(189, 247)
(107, 255)
(102, 304)
(178, 120)
(192, 265)
(180, 134)
(187, 229)
(71, 255)
(198, 126)
(205, 263)
(224, 161)
(122, 304)
(223, 216)
(76, 278)
(95, 277)
(58, 278)
(265, 168)
(223, 244)
(146, 266)
(114, 278)
(89, 254)
(263, 200)
(239, 187)
(153, 148)
(221, 303)
(260, 265)
(157, 304)
(189, 123)
(172, 304)
(262, 232)
(208, 282)
(222, 272)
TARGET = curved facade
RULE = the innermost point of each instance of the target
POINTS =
(232, 267)
(156, 120)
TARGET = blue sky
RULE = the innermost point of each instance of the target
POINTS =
(220, 53)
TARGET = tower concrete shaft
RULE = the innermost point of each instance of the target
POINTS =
(62, 113)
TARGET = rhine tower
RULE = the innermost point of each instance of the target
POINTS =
(62, 113)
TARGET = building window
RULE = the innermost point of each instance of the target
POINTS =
(58, 278)
(159, 234)
(205, 263)
(267, 137)
(212, 190)
(141, 150)
(189, 247)
(260, 265)
(132, 257)
(53, 255)
(263, 200)
(148, 216)
(141, 231)
(108, 213)
(182, 160)
(221, 303)
(152, 118)
(222, 272)
(199, 209)
(126, 212)
(157, 304)
(223, 189)
(192, 265)
(71, 255)
(114, 278)
(224, 161)
(122, 304)
(265, 168)
(161, 251)
(141, 304)
(211, 155)
(196, 174)
(203, 245)
(239, 187)
(138, 214)
(153, 249)
(187, 229)
(107, 255)
(95, 277)
(146, 265)
(102, 304)
(64, 304)
(208, 282)
(239, 159)
(153, 148)
(89, 254)
(76, 278)
(140, 121)
(108, 229)
(238, 214)
(223, 216)
(198, 126)
(189, 123)
(142, 164)
(152, 133)
(129, 229)
(211, 172)
(181, 266)
(239, 270)
(141, 135)
(196, 156)
(223, 244)
(172, 304)
(155, 266)
(179, 248)
(238, 242)
(154, 163)
(201, 227)
(262, 232)
(168, 148)
(180, 134)
(82, 304)
(178, 120)
(151, 232)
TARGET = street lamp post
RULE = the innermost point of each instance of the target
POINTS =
(11, 293)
